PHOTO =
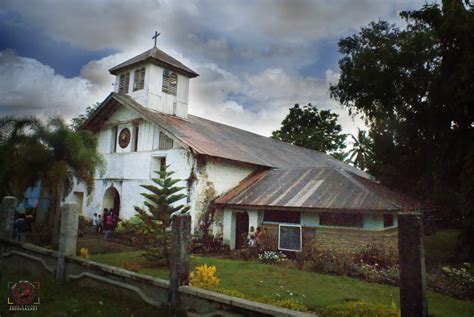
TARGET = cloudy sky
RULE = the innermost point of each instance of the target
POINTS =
(255, 58)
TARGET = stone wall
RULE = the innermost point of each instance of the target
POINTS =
(342, 239)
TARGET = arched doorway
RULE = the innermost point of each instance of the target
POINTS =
(111, 200)
(241, 229)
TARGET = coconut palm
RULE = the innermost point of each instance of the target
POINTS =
(361, 149)
(56, 155)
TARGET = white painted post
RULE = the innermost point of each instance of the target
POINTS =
(229, 228)
(7, 216)
(67, 236)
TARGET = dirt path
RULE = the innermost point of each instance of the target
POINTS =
(96, 244)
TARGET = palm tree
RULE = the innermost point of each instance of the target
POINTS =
(56, 155)
(361, 149)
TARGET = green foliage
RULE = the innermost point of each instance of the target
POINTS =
(313, 129)
(52, 153)
(78, 121)
(456, 282)
(130, 226)
(358, 309)
(413, 86)
(361, 150)
(289, 303)
(160, 203)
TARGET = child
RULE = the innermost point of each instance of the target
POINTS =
(99, 224)
(95, 222)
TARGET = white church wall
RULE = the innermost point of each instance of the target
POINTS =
(215, 177)
(225, 175)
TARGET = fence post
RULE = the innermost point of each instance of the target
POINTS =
(67, 237)
(7, 216)
(179, 256)
(412, 265)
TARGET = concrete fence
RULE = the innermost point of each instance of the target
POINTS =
(64, 265)
(37, 260)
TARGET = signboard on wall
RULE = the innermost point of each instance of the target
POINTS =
(290, 237)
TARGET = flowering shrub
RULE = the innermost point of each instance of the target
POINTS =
(289, 303)
(271, 257)
(358, 309)
(378, 255)
(84, 253)
(451, 281)
(204, 276)
(374, 273)
(129, 226)
(131, 266)
(324, 259)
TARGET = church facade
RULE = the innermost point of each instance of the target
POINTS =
(244, 179)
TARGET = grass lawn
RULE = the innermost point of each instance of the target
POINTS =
(312, 289)
(69, 300)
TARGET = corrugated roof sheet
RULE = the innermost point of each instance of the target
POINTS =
(313, 188)
(157, 56)
(218, 140)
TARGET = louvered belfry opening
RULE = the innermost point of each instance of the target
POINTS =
(124, 83)
(170, 82)
(139, 79)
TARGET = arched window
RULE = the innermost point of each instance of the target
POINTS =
(170, 82)
(139, 79)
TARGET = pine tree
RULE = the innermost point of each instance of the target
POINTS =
(160, 205)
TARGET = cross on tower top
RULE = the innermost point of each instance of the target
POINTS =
(156, 36)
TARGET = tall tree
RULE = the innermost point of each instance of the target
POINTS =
(361, 151)
(414, 88)
(161, 203)
(313, 129)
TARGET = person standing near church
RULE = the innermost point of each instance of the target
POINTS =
(21, 227)
(108, 224)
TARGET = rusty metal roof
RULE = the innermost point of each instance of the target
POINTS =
(214, 139)
(158, 57)
(313, 188)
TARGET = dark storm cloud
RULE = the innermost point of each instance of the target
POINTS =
(256, 58)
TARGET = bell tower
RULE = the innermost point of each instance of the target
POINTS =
(156, 80)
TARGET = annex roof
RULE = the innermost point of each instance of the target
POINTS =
(156, 56)
(314, 188)
(214, 139)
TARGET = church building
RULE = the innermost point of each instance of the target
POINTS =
(245, 180)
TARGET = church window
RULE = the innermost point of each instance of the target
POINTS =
(340, 219)
(165, 142)
(124, 81)
(113, 147)
(158, 164)
(278, 216)
(139, 79)
(135, 138)
(170, 82)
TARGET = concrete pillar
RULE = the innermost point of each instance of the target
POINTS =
(255, 219)
(7, 216)
(412, 265)
(179, 256)
(229, 228)
(67, 236)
